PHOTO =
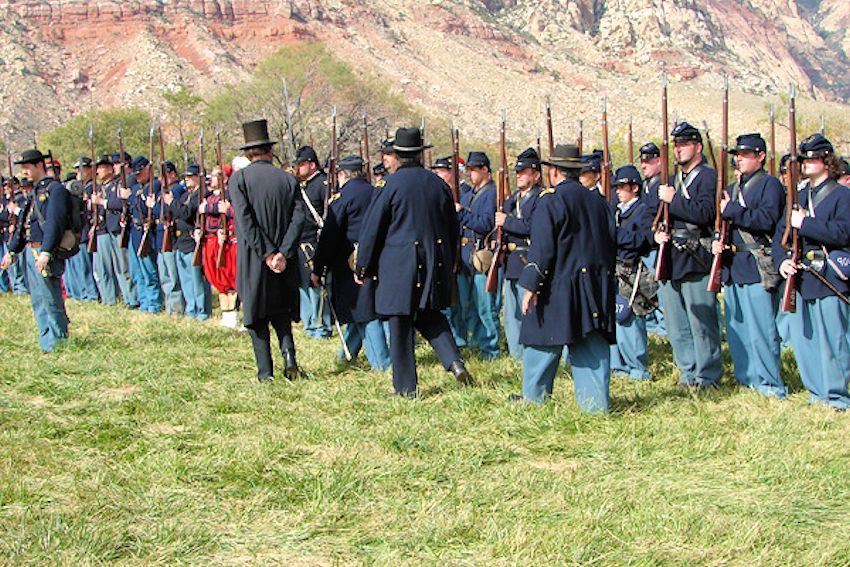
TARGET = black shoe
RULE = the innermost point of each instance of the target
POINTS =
(291, 370)
(461, 374)
(513, 398)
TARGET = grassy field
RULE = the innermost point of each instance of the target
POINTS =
(147, 440)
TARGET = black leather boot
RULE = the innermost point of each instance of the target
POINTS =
(291, 370)
(461, 374)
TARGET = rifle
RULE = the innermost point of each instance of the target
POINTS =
(126, 217)
(721, 227)
(772, 157)
(662, 264)
(606, 154)
(200, 218)
(550, 140)
(92, 246)
(368, 164)
(631, 142)
(822, 125)
(145, 244)
(502, 187)
(165, 218)
(580, 140)
(331, 186)
(220, 257)
(791, 237)
(455, 188)
(13, 219)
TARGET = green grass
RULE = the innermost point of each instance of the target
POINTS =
(147, 440)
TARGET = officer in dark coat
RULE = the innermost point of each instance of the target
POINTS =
(515, 220)
(408, 242)
(819, 327)
(315, 193)
(269, 216)
(354, 304)
(752, 206)
(43, 221)
(690, 311)
(569, 283)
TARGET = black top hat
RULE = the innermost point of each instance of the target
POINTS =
(30, 156)
(409, 141)
(566, 156)
(256, 134)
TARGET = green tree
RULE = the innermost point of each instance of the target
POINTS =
(184, 112)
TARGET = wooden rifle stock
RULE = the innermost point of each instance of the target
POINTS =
(580, 140)
(455, 188)
(222, 218)
(95, 214)
(165, 218)
(126, 218)
(366, 158)
(145, 244)
(791, 238)
(606, 154)
(502, 188)
(200, 219)
(662, 264)
(721, 227)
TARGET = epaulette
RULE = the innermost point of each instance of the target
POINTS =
(380, 184)
(548, 191)
(335, 197)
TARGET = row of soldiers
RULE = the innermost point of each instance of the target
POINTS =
(577, 279)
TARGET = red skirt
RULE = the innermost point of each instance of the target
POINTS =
(223, 279)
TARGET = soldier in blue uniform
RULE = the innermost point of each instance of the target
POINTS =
(515, 220)
(569, 283)
(591, 173)
(379, 171)
(166, 262)
(183, 206)
(690, 311)
(409, 241)
(476, 213)
(454, 313)
(315, 194)
(752, 207)
(635, 282)
(14, 204)
(650, 168)
(354, 304)
(114, 256)
(39, 238)
(820, 325)
(79, 275)
(144, 268)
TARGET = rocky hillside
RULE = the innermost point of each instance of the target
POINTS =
(465, 58)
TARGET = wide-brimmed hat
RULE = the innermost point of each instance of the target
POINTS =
(566, 156)
(30, 156)
(409, 141)
(256, 134)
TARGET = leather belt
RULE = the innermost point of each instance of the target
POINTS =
(34, 244)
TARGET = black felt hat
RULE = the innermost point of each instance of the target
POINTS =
(409, 141)
(30, 156)
(566, 156)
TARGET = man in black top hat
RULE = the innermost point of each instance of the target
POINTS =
(408, 245)
(691, 312)
(269, 216)
(315, 194)
(41, 237)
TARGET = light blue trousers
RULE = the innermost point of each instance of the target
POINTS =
(197, 296)
(753, 339)
(166, 264)
(819, 337)
(630, 355)
(591, 370)
(694, 330)
(48, 305)
(513, 293)
(369, 336)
